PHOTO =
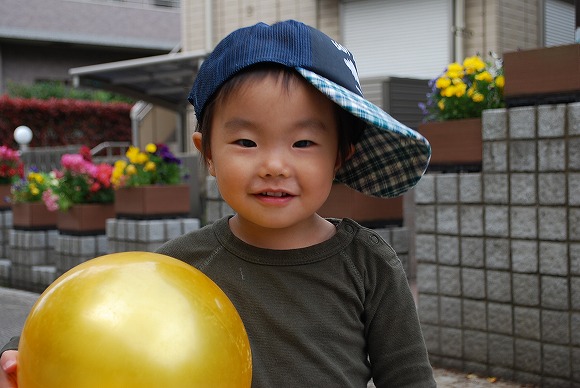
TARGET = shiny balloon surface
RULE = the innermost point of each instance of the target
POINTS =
(133, 319)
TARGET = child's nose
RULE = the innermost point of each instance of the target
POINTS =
(275, 164)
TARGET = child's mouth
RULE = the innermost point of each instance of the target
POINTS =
(274, 194)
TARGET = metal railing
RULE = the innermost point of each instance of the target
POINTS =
(109, 151)
(140, 3)
(48, 158)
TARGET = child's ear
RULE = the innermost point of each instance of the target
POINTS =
(339, 162)
(197, 137)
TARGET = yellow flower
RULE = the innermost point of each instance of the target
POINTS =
(500, 81)
(442, 82)
(150, 166)
(151, 148)
(471, 91)
(455, 70)
(441, 105)
(457, 81)
(132, 153)
(118, 171)
(484, 76)
(473, 64)
(34, 190)
(131, 169)
(449, 91)
(141, 158)
(120, 164)
(35, 177)
(460, 89)
(478, 97)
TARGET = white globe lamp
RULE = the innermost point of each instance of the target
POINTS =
(23, 136)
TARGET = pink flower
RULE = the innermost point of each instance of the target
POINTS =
(103, 174)
(96, 186)
(50, 200)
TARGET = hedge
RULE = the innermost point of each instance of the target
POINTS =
(57, 122)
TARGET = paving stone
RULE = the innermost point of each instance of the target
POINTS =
(495, 189)
(573, 118)
(470, 188)
(522, 156)
(523, 189)
(556, 327)
(494, 124)
(551, 120)
(495, 157)
(522, 122)
(527, 322)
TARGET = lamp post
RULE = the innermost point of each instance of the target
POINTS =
(23, 136)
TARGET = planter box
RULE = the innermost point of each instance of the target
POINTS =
(148, 202)
(541, 75)
(85, 219)
(33, 216)
(455, 143)
(344, 202)
(5, 196)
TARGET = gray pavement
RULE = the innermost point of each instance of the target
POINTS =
(15, 305)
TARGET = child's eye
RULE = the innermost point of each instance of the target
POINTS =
(303, 144)
(246, 143)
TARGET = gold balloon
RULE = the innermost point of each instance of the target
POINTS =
(133, 319)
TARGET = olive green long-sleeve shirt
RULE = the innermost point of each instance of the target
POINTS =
(334, 314)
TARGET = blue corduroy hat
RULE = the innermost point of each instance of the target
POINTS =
(389, 157)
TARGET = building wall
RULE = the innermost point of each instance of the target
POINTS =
(228, 15)
(87, 23)
(501, 25)
(27, 63)
(498, 252)
(43, 39)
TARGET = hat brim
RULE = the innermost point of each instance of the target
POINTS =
(389, 158)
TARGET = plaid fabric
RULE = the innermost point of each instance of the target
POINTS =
(390, 158)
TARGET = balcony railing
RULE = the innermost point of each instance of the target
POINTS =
(140, 3)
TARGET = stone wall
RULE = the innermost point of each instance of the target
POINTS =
(498, 252)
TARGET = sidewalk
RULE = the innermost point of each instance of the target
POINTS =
(15, 305)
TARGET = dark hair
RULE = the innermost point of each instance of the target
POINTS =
(349, 128)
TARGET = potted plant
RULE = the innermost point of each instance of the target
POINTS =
(83, 193)
(454, 107)
(11, 169)
(28, 209)
(149, 184)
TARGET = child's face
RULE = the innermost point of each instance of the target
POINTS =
(274, 151)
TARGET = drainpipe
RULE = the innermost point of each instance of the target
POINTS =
(458, 29)
(208, 26)
(577, 33)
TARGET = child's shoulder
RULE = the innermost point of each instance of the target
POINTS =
(193, 243)
(367, 242)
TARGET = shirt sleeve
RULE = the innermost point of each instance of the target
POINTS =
(10, 345)
(397, 350)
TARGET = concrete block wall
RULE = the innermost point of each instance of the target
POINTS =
(145, 235)
(5, 228)
(32, 258)
(498, 252)
(71, 251)
(215, 207)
